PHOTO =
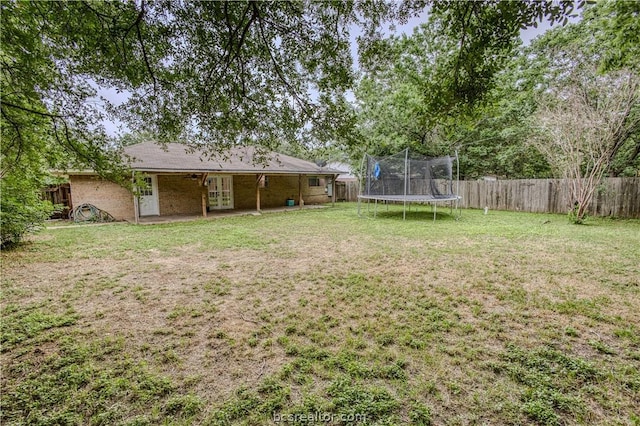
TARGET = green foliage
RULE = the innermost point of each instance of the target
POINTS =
(596, 56)
(49, 119)
(214, 74)
(616, 27)
(575, 216)
(222, 73)
(21, 208)
(412, 103)
(49, 114)
(401, 104)
(457, 82)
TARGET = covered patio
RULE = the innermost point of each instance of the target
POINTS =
(173, 183)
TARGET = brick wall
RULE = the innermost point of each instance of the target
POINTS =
(179, 195)
(315, 194)
(103, 194)
(244, 192)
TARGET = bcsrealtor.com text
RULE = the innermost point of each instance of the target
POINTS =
(317, 417)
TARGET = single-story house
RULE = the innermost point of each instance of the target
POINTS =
(187, 182)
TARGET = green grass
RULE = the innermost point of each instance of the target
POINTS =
(505, 318)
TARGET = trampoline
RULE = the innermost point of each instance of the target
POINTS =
(401, 178)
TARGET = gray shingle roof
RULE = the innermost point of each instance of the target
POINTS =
(151, 157)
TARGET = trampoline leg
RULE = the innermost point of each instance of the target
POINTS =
(359, 206)
(404, 211)
(434, 212)
(375, 209)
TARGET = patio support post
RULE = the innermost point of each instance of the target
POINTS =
(300, 200)
(258, 178)
(333, 191)
(204, 194)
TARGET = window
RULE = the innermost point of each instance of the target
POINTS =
(314, 181)
(148, 190)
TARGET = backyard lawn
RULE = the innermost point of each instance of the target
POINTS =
(504, 318)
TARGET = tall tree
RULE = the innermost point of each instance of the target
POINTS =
(592, 46)
(582, 125)
(413, 103)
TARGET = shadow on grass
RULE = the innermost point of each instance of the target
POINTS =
(420, 213)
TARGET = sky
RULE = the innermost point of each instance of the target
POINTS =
(526, 35)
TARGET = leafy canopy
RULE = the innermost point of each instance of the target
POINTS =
(222, 73)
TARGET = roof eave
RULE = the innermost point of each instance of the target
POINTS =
(243, 172)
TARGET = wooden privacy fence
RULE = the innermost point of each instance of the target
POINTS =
(347, 190)
(616, 197)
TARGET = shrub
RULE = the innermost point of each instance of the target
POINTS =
(21, 208)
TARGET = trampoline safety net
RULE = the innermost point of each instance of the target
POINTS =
(403, 177)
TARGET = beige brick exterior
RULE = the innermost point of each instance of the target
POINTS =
(179, 195)
(315, 194)
(103, 194)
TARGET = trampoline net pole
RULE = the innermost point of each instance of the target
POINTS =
(362, 181)
(457, 185)
(406, 182)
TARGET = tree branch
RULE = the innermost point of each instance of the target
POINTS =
(144, 50)
(277, 66)
(29, 110)
(228, 59)
(465, 21)
(18, 138)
